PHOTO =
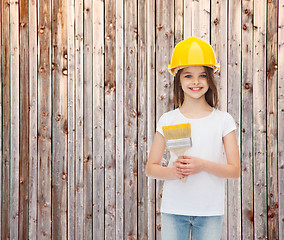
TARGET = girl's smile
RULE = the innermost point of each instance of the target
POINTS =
(195, 89)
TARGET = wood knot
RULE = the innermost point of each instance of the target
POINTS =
(41, 30)
(41, 70)
(65, 71)
(53, 66)
(64, 176)
(275, 66)
(245, 27)
(159, 227)
(159, 27)
(133, 113)
(216, 21)
(249, 214)
(23, 24)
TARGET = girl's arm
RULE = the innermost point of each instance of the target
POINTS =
(153, 166)
(193, 165)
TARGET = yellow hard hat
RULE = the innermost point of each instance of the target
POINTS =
(192, 51)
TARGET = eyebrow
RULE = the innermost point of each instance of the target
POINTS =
(191, 72)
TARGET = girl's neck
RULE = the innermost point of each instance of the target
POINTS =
(195, 108)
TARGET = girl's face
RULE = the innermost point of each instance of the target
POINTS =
(193, 80)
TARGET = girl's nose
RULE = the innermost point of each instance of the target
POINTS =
(195, 81)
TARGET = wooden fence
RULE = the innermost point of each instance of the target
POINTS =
(85, 81)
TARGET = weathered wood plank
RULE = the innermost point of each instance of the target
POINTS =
(71, 118)
(1, 121)
(281, 118)
(33, 117)
(272, 162)
(151, 103)
(187, 31)
(259, 120)
(6, 119)
(201, 19)
(79, 164)
(15, 121)
(219, 24)
(98, 120)
(234, 105)
(88, 108)
(59, 121)
(44, 119)
(119, 89)
(179, 25)
(24, 121)
(110, 136)
(142, 122)
(164, 81)
(247, 120)
(130, 121)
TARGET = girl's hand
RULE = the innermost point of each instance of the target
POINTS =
(190, 165)
(179, 170)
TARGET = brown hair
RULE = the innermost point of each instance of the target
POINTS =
(211, 95)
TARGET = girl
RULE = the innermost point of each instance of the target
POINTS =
(195, 207)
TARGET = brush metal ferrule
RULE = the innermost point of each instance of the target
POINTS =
(179, 143)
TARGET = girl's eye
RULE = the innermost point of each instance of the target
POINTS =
(188, 76)
(203, 75)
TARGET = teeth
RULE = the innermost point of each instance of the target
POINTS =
(196, 89)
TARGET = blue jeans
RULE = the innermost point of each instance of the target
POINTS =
(179, 227)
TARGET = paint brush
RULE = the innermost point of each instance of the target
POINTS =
(178, 139)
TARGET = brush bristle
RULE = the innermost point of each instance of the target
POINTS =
(177, 131)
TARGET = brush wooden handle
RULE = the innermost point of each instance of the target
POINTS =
(180, 153)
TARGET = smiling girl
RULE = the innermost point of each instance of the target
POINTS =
(195, 207)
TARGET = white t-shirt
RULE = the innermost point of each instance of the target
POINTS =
(202, 194)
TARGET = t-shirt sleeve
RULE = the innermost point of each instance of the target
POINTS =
(160, 124)
(229, 124)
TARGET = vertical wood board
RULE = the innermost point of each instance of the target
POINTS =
(59, 121)
(44, 119)
(24, 120)
(79, 122)
(259, 121)
(88, 118)
(71, 119)
(110, 134)
(247, 120)
(98, 120)
(281, 118)
(15, 120)
(151, 69)
(6, 119)
(272, 161)
(33, 124)
(234, 105)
